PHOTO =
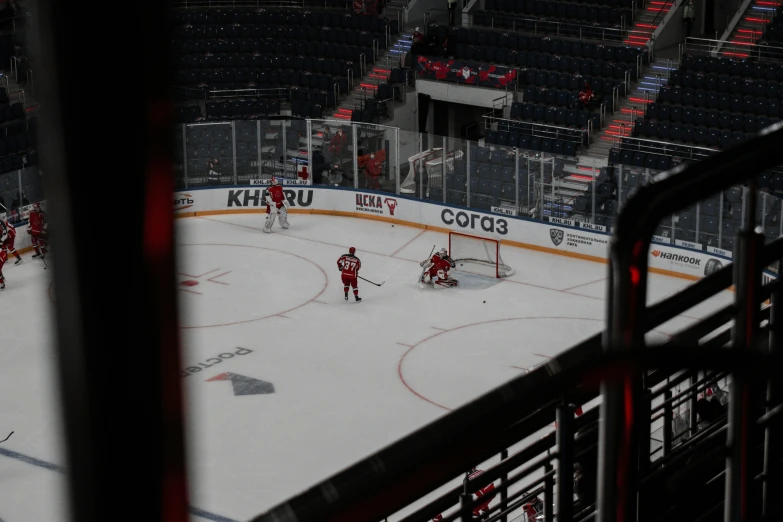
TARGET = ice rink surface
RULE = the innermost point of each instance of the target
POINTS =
(286, 382)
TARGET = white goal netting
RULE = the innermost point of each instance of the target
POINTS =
(477, 255)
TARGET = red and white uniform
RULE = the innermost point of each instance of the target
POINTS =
(37, 230)
(275, 193)
(7, 238)
(373, 168)
(350, 265)
(3, 259)
(486, 494)
(275, 199)
(436, 270)
(439, 264)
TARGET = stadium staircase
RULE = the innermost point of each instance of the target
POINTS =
(750, 29)
(653, 77)
(646, 22)
(367, 86)
(668, 448)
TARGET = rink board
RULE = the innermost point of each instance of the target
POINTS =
(512, 231)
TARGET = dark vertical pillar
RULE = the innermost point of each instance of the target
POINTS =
(105, 156)
(747, 272)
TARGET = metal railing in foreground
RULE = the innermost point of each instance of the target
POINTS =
(625, 467)
(626, 328)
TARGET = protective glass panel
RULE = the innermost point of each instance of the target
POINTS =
(410, 144)
(9, 191)
(247, 147)
(32, 185)
(210, 153)
(456, 179)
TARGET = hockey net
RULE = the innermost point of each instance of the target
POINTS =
(478, 255)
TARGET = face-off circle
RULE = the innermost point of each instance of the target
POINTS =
(228, 284)
(454, 366)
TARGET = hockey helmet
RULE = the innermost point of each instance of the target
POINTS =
(37, 206)
(352, 250)
(443, 252)
(273, 181)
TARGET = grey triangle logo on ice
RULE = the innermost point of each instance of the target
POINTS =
(556, 236)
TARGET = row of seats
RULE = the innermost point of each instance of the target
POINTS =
(703, 136)
(286, 17)
(307, 109)
(601, 87)
(252, 49)
(188, 114)
(242, 109)
(561, 28)
(539, 44)
(742, 119)
(337, 67)
(535, 143)
(730, 66)
(241, 78)
(556, 98)
(12, 112)
(640, 159)
(724, 101)
(555, 10)
(561, 116)
(193, 36)
(726, 83)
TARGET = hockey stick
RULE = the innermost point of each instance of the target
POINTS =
(376, 284)
(424, 269)
(8, 437)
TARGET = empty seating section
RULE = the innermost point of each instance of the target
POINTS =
(312, 53)
(581, 18)
(600, 207)
(543, 53)
(715, 102)
(492, 180)
(774, 31)
(17, 141)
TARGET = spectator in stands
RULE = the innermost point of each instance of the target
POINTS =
(338, 146)
(326, 135)
(372, 170)
(452, 9)
(688, 17)
(213, 176)
(586, 95)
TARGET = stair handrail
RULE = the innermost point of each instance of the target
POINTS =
(741, 8)
(709, 47)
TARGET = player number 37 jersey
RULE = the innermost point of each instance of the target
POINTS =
(350, 265)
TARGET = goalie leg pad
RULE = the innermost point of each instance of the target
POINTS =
(270, 220)
(283, 217)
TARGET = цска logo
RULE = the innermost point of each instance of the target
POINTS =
(556, 235)
(392, 204)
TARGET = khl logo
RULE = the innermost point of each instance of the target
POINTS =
(556, 236)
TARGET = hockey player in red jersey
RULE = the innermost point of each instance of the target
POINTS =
(349, 265)
(484, 495)
(7, 237)
(3, 259)
(37, 230)
(436, 270)
(276, 205)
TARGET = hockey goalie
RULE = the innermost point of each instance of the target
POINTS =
(276, 206)
(436, 270)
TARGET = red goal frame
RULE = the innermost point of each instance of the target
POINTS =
(471, 236)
